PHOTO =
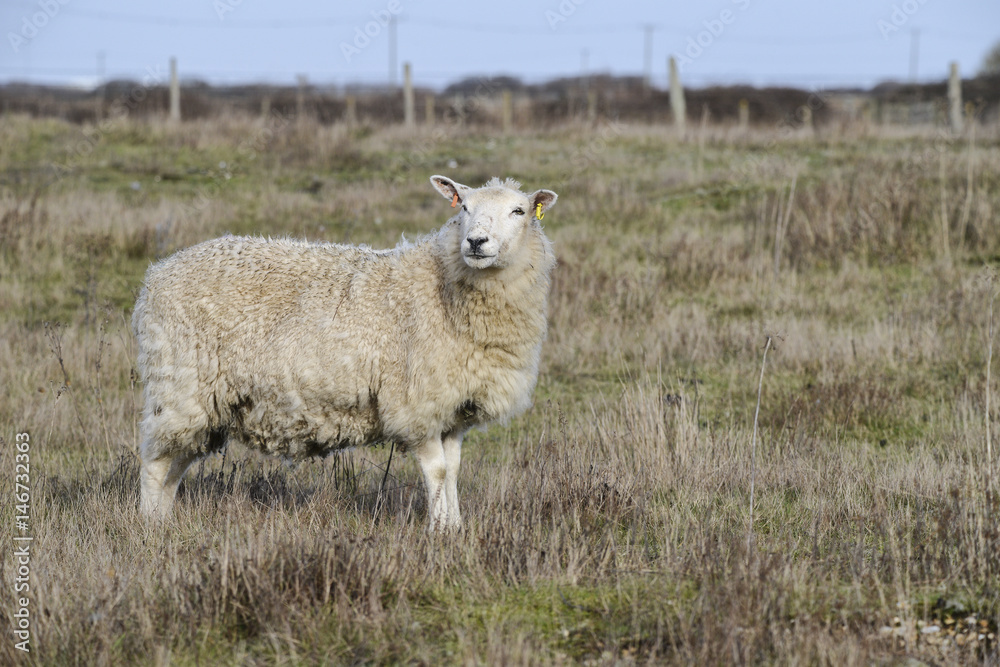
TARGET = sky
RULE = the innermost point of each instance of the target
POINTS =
(808, 43)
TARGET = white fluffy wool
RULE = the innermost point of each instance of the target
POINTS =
(300, 349)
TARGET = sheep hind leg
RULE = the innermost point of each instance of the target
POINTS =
(160, 479)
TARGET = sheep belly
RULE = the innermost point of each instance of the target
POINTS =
(316, 393)
(295, 428)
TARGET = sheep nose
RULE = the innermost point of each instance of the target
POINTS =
(476, 243)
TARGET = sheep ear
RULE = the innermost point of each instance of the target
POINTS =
(544, 198)
(449, 189)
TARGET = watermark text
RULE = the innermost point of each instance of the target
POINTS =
(22, 542)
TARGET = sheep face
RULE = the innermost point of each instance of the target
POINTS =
(493, 219)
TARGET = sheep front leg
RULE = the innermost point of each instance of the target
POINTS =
(434, 464)
(452, 444)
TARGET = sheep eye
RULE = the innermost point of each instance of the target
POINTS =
(519, 211)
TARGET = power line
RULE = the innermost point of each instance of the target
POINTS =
(681, 31)
(180, 21)
(309, 22)
(520, 28)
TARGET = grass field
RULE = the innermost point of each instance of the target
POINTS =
(611, 523)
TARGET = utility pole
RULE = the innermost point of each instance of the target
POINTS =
(392, 52)
(100, 90)
(914, 53)
(648, 56)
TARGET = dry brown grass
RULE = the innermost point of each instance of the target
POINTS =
(608, 524)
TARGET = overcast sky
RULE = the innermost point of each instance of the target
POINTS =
(807, 43)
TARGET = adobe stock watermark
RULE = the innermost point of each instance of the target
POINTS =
(32, 23)
(22, 541)
(900, 16)
(714, 29)
(562, 12)
(248, 151)
(118, 113)
(787, 127)
(223, 7)
(423, 148)
(591, 153)
(363, 36)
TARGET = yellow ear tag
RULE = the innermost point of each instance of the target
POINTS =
(454, 201)
(538, 211)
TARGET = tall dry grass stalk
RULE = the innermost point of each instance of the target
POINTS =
(702, 136)
(963, 225)
(989, 391)
(781, 220)
(945, 232)
(753, 447)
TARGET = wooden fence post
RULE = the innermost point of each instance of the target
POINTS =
(175, 93)
(506, 112)
(300, 98)
(955, 99)
(744, 116)
(429, 110)
(99, 95)
(351, 113)
(677, 106)
(702, 136)
(806, 115)
(408, 114)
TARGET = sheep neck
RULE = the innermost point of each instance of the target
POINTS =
(504, 309)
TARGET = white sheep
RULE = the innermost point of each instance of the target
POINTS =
(300, 349)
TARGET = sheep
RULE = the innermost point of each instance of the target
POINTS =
(301, 349)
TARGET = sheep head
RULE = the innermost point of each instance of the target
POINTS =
(493, 219)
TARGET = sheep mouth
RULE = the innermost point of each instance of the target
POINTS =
(477, 260)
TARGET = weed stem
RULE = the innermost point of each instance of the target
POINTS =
(753, 443)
